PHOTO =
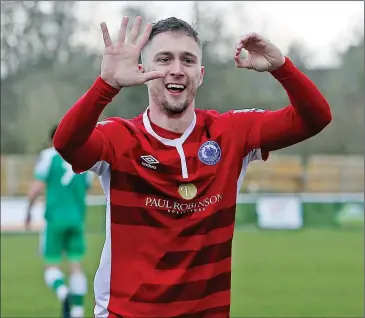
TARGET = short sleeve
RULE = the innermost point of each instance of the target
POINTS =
(246, 129)
(43, 164)
(89, 179)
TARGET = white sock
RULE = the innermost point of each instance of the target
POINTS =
(78, 288)
(54, 279)
(62, 292)
(77, 312)
(78, 284)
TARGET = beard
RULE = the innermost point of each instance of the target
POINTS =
(175, 109)
(169, 106)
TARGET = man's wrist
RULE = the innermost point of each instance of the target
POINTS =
(105, 88)
(279, 65)
(112, 84)
(288, 68)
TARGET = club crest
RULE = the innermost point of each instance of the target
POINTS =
(209, 153)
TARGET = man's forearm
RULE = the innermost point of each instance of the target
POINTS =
(304, 96)
(75, 133)
(28, 215)
(35, 189)
(31, 201)
(307, 115)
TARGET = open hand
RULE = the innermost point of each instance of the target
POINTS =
(262, 55)
(119, 67)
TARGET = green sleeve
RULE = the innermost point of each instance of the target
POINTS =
(89, 179)
(43, 165)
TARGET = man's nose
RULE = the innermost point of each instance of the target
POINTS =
(177, 69)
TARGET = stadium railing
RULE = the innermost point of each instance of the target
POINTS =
(280, 174)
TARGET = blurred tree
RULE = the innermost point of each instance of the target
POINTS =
(33, 30)
(347, 96)
(218, 47)
(36, 49)
(343, 87)
(44, 72)
(298, 53)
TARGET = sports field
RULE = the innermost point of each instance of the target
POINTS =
(311, 273)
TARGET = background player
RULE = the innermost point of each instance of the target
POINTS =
(65, 194)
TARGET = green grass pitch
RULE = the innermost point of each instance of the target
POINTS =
(308, 273)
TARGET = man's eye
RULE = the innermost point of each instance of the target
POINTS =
(189, 61)
(163, 59)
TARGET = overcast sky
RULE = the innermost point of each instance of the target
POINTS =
(324, 27)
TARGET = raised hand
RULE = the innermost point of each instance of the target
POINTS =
(119, 67)
(262, 55)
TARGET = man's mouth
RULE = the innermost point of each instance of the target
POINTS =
(175, 89)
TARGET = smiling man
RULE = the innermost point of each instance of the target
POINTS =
(171, 175)
(181, 49)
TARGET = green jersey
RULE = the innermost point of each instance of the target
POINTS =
(65, 191)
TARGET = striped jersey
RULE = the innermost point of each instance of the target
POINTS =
(171, 198)
(171, 201)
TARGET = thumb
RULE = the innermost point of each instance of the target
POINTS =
(242, 63)
(153, 75)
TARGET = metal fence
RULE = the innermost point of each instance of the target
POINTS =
(280, 174)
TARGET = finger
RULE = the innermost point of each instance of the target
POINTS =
(135, 30)
(248, 38)
(123, 30)
(240, 45)
(107, 40)
(252, 36)
(145, 36)
(237, 60)
(238, 50)
(152, 75)
(242, 63)
(244, 40)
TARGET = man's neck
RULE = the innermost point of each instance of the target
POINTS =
(177, 123)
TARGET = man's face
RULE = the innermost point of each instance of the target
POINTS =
(179, 57)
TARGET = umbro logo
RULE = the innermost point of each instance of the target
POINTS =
(104, 122)
(149, 161)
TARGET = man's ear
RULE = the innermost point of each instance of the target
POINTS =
(141, 68)
(201, 75)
